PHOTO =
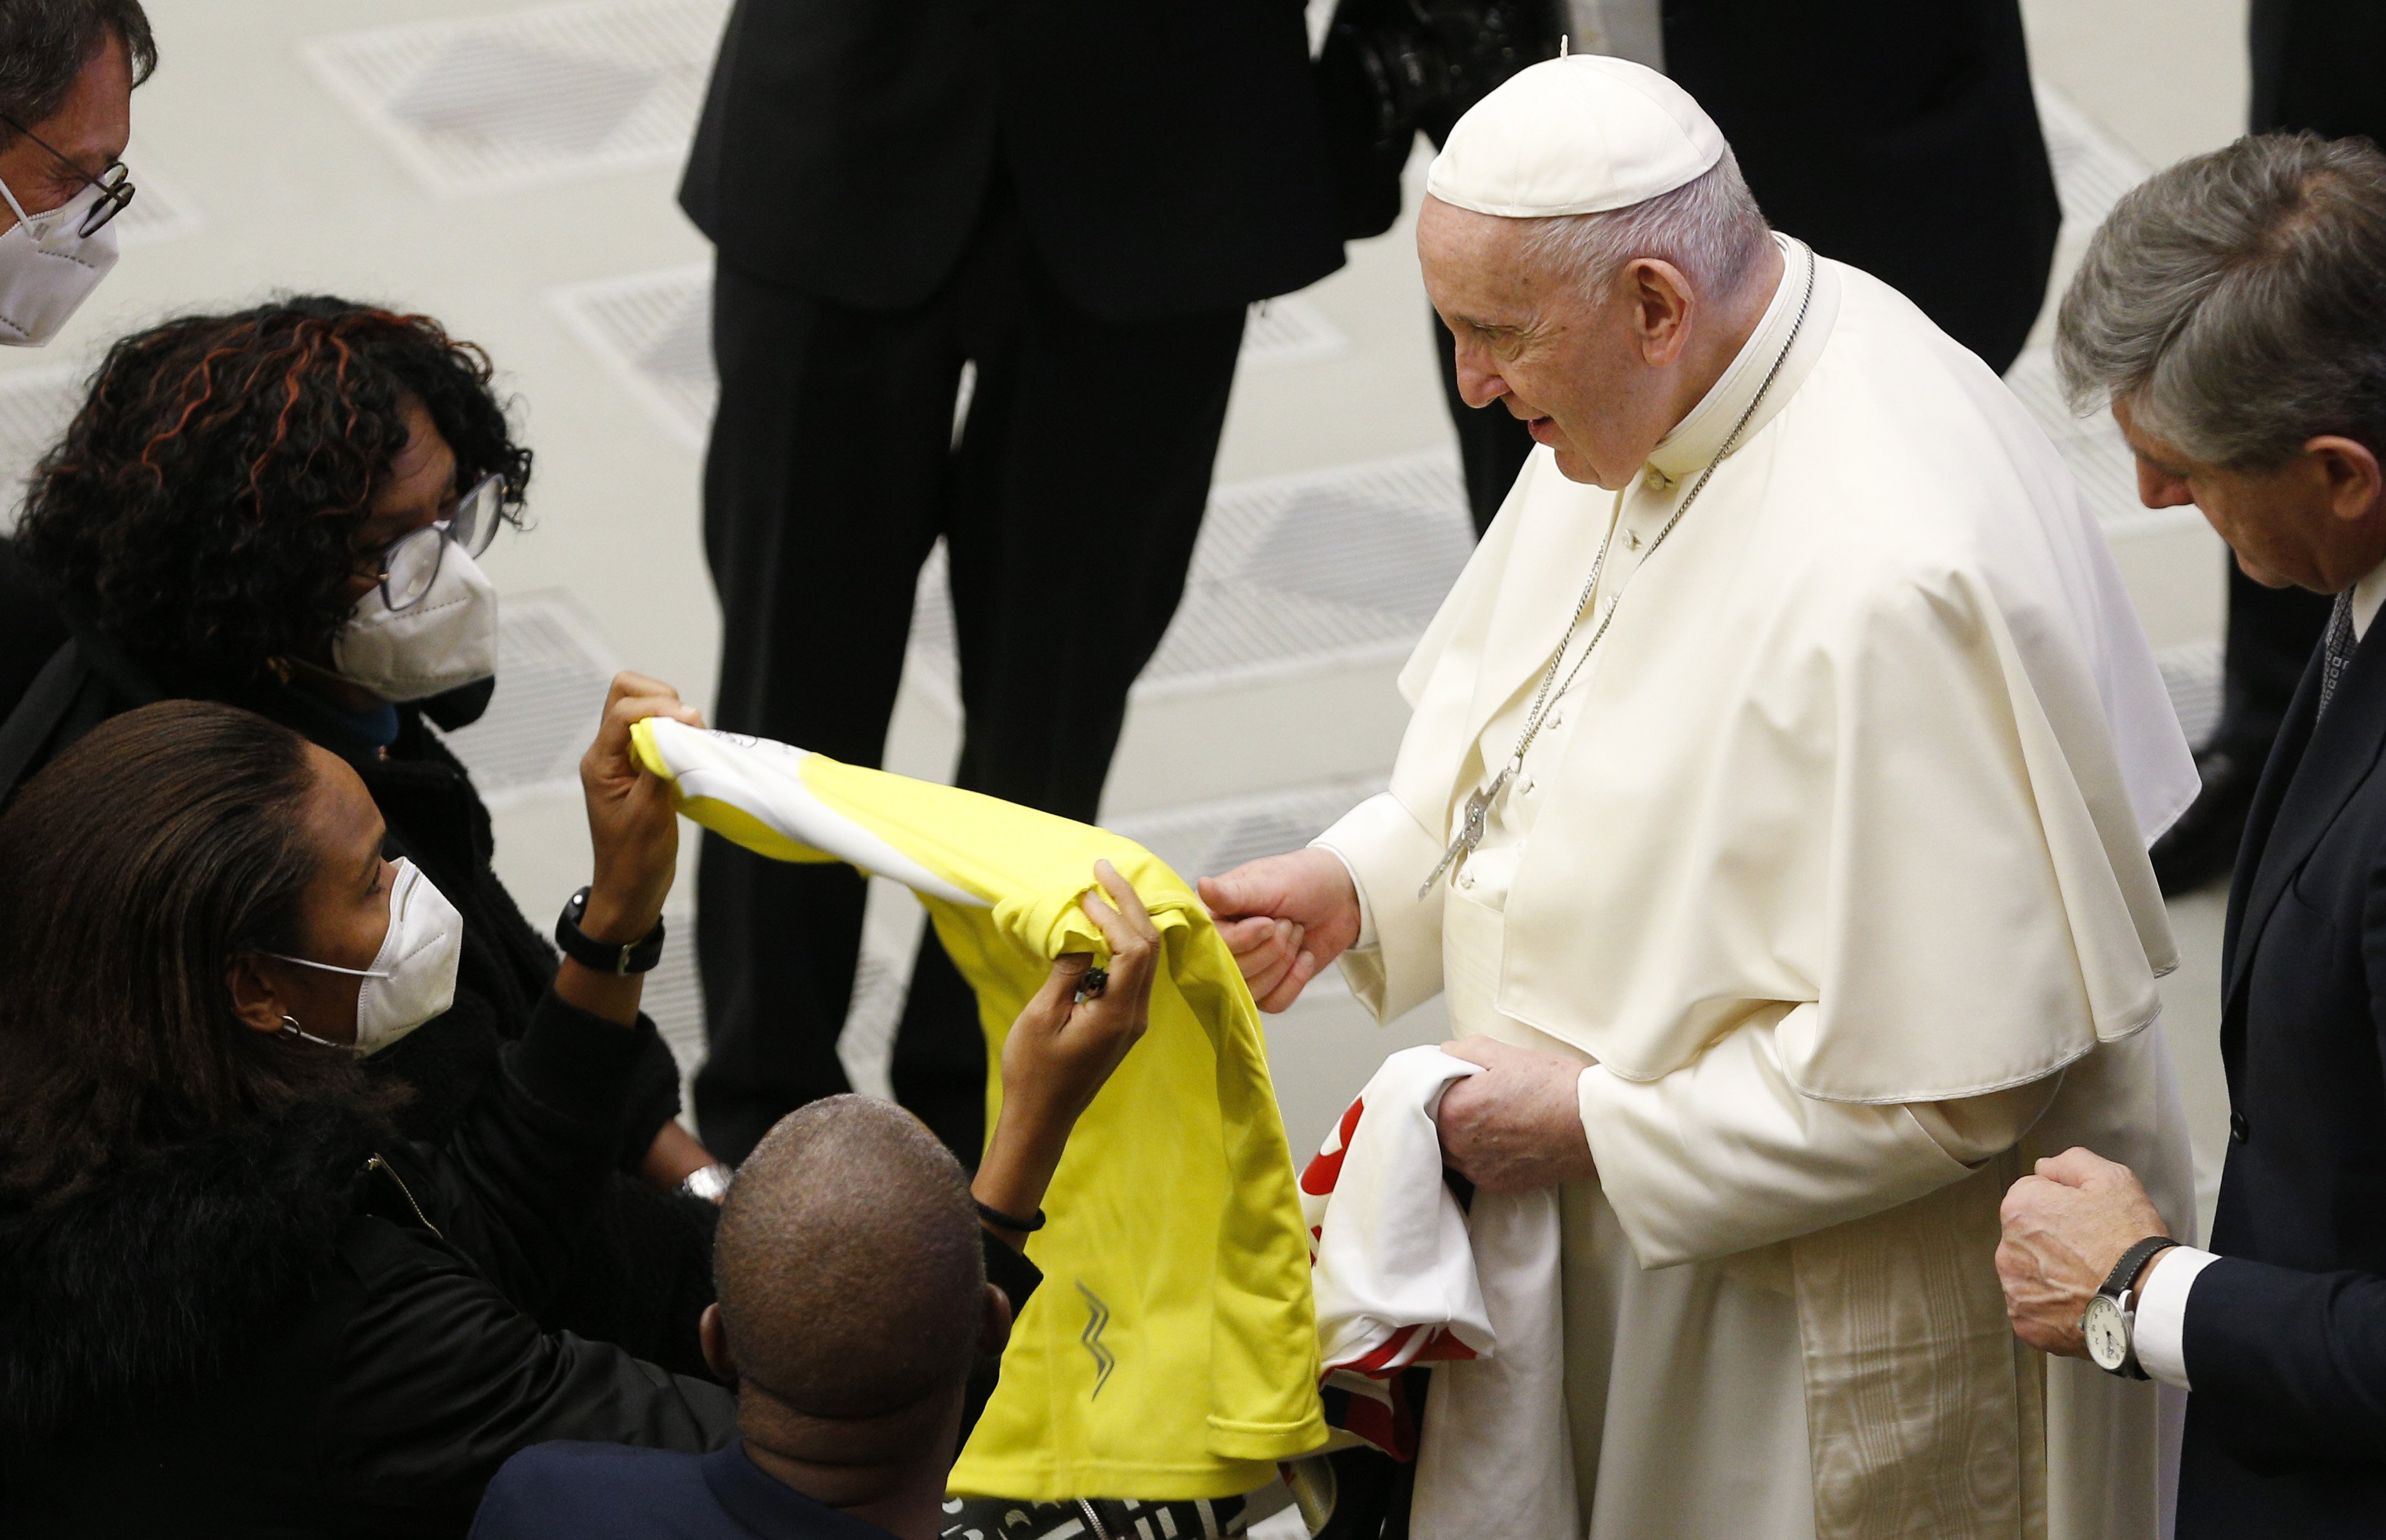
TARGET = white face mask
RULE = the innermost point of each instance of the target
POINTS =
(413, 976)
(446, 639)
(48, 266)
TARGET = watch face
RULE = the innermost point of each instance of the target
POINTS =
(2107, 1333)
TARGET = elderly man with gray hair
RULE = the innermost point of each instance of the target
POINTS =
(2231, 313)
(1772, 823)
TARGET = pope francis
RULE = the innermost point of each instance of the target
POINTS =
(1772, 820)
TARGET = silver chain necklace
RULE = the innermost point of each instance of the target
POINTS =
(1478, 817)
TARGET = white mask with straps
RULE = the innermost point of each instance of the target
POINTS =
(413, 976)
(48, 266)
(445, 640)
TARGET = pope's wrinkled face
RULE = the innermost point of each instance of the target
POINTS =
(1586, 373)
(2315, 521)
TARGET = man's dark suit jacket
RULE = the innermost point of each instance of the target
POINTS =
(2285, 1337)
(614, 1492)
(1166, 155)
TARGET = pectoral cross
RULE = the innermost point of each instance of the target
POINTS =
(1471, 827)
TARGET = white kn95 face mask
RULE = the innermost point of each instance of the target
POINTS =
(413, 976)
(443, 640)
(48, 266)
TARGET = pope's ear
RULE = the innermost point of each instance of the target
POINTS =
(1660, 298)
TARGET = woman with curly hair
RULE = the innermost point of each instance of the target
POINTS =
(277, 509)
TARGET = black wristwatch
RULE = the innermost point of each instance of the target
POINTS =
(2110, 1322)
(619, 959)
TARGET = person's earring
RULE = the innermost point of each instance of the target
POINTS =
(291, 1028)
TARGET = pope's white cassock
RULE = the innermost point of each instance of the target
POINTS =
(1829, 867)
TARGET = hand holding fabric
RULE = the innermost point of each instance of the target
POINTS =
(1285, 918)
(1062, 1050)
(631, 821)
(2065, 1229)
(1518, 1125)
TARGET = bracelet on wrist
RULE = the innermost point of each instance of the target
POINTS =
(1001, 1221)
(710, 1183)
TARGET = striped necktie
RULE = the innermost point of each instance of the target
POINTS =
(2340, 644)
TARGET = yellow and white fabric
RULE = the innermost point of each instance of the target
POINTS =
(1172, 1351)
(1831, 869)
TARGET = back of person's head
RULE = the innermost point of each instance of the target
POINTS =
(46, 43)
(848, 1264)
(139, 863)
(206, 499)
(2236, 302)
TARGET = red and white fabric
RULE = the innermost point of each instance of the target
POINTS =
(1404, 1276)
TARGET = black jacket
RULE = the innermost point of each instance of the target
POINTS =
(1899, 138)
(1166, 155)
(309, 1327)
(2285, 1336)
(645, 1273)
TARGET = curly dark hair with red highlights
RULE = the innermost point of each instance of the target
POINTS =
(205, 502)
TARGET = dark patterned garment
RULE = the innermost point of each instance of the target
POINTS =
(1093, 1519)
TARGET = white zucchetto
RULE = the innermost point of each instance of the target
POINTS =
(1581, 135)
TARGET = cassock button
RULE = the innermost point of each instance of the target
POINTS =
(2240, 1131)
(1466, 879)
(1655, 479)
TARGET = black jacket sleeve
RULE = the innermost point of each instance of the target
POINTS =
(441, 1379)
(2289, 1367)
(515, 1186)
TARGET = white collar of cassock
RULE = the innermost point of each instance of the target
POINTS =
(1685, 452)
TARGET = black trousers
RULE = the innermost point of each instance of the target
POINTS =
(1068, 506)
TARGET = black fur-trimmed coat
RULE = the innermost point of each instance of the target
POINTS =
(306, 1326)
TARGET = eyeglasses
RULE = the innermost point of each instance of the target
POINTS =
(411, 564)
(114, 181)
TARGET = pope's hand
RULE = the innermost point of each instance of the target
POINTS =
(1518, 1124)
(1285, 918)
(2065, 1230)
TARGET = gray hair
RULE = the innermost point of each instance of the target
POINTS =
(1709, 227)
(46, 43)
(2237, 302)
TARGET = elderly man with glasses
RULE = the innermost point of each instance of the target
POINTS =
(66, 72)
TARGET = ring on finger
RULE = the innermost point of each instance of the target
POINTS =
(1091, 985)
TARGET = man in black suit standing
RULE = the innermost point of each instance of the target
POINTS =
(2232, 313)
(2316, 69)
(1077, 198)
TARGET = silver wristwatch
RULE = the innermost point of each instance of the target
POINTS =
(2110, 1322)
(709, 1182)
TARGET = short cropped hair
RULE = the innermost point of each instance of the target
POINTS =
(1710, 227)
(2237, 302)
(848, 1263)
(46, 43)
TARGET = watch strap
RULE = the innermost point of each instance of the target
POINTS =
(2132, 1262)
(619, 958)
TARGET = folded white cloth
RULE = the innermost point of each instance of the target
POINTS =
(1404, 1276)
